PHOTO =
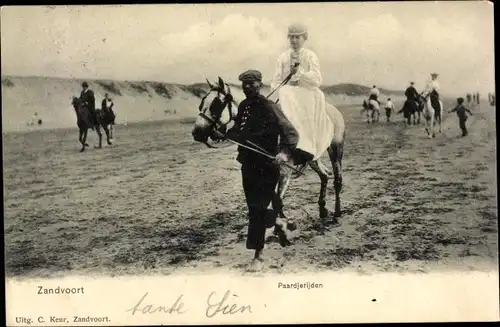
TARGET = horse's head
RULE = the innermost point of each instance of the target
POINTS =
(365, 104)
(75, 102)
(211, 110)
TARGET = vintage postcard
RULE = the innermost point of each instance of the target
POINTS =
(249, 163)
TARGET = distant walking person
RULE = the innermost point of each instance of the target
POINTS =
(468, 96)
(87, 99)
(389, 107)
(107, 106)
(477, 97)
(461, 110)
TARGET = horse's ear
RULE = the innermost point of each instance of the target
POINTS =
(209, 84)
(221, 83)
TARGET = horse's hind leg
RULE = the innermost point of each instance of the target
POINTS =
(433, 126)
(336, 153)
(84, 139)
(81, 139)
(108, 137)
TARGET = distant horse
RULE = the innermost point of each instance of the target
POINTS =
(84, 122)
(413, 109)
(420, 108)
(432, 116)
(409, 110)
(209, 120)
(372, 109)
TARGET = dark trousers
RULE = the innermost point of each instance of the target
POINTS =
(388, 112)
(259, 183)
(463, 127)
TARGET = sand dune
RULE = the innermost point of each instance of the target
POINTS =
(134, 101)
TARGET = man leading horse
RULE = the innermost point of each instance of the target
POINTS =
(261, 121)
(306, 126)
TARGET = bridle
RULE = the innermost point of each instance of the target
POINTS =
(226, 102)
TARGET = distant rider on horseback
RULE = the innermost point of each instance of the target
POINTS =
(374, 94)
(107, 107)
(87, 99)
(411, 93)
(432, 90)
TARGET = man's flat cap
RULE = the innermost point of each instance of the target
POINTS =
(251, 76)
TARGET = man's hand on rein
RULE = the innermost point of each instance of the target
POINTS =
(281, 158)
(219, 135)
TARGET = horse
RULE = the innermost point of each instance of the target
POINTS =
(409, 110)
(209, 120)
(413, 108)
(432, 115)
(420, 108)
(372, 109)
(84, 122)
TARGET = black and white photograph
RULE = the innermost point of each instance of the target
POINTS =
(264, 139)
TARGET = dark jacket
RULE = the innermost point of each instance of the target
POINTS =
(104, 104)
(87, 98)
(261, 121)
(411, 93)
(461, 111)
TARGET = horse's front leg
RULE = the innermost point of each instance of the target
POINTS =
(428, 124)
(323, 175)
(81, 139)
(98, 130)
(283, 183)
(84, 143)
(433, 126)
(283, 224)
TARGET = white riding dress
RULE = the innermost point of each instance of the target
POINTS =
(304, 105)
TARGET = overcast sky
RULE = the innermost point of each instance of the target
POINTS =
(388, 44)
